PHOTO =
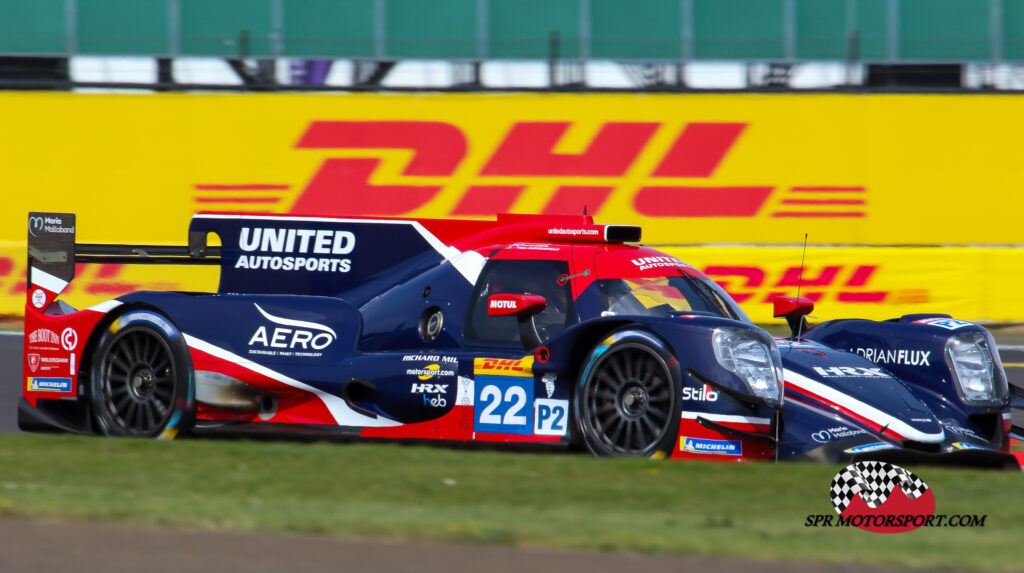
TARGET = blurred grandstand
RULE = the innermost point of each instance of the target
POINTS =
(659, 45)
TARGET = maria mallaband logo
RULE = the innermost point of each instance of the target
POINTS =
(885, 498)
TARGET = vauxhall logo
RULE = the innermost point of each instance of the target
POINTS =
(291, 334)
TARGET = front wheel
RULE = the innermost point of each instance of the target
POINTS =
(141, 381)
(628, 398)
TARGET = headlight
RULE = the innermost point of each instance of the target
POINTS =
(976, 369)
(754, 360)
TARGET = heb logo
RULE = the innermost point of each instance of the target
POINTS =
(526, 155)
(841, 283)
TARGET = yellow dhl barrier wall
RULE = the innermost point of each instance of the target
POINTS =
(691, 169)
(864, 169)
(857, 282)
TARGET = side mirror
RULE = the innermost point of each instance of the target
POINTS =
(793, 309)
(520, 305)
(523, 307)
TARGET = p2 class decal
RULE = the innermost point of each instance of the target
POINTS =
(551, 417)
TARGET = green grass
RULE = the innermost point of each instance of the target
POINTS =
(754, 511)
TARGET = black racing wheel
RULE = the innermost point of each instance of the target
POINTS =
(628, 399)
(141, 381)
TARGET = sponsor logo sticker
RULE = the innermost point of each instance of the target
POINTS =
(49, 384)
(550, 417)
(38, 298)
(645, 263)
(968, 446)
(703, 394)
(836, 433)
(289, 337)
(69, 339)
(503, 303)
(718, 447)
(33, 362)
(312, 249)
(851, 372)
(947, 323)
(44, 336)
(893, 356)
(864, 448)
(429, 371)
(504, 366)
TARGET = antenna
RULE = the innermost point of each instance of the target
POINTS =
(584, 209)
(799, 281)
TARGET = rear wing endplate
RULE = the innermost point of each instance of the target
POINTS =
(53, 252)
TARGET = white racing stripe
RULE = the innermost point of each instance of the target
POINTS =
(49, 282)
(343, 415)
(861, 409)
(105, 306)
(726, 418)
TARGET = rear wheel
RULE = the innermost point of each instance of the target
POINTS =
(141, 378)
(627, 401)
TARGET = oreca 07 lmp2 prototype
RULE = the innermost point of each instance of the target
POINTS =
(537, 329)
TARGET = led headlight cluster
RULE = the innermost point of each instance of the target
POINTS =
(977, 371)
(754, 359)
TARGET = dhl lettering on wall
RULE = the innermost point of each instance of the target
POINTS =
(866, 282)
(526, 157)
(691, 169)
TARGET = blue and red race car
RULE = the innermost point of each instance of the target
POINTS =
(536, 329)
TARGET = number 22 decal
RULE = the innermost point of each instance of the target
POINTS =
(504, 405)
(492, 396)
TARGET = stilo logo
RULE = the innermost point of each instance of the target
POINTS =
(881, 497)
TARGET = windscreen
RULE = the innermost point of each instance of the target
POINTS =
(660, 296)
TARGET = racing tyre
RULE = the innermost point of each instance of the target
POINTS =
(141, 382)
(628, 398)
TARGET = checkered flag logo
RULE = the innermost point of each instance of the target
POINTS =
(873, 482)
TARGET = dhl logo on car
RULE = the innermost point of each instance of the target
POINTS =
(675, 182)
(504, 366)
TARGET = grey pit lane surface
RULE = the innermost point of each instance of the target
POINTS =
(49, 547)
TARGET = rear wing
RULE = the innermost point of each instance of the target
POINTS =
(53, 253)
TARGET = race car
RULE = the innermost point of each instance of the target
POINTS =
(528, 328)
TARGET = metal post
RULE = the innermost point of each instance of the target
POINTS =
(379, 29)
(686, 39)
(893, 31)
(277, 28)
(553, 58)
(483, 32)
(584, 28)
(789, 29)
(995, 30)
(173, 27)
(71, 26)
